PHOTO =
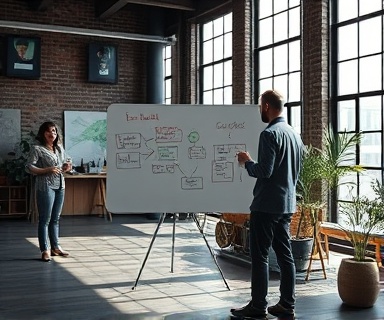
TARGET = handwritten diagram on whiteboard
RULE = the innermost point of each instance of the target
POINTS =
(178, 158)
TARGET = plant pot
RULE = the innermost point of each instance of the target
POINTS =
(358, 282)
(301, 251)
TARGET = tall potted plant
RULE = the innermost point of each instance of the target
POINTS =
(360, 274)
(327, 165)
(304, 220)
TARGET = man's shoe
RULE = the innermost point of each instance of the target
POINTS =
(45, 256)
(59, 252)
(279, 310)
(249, 312)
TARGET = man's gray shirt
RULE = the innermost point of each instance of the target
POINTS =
(277, 168)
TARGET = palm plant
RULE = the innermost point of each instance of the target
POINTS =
(311, 172)
(328, 165)
(338, 152)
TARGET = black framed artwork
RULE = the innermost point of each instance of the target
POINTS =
(102, 63)
(23, 57)
(3, 47)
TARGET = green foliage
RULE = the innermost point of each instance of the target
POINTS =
(14, 166)
(325, 165)
(328, 164)
(339, 150)
(312, 170)
(363, 216)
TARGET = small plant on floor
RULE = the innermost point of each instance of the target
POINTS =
(363, 216)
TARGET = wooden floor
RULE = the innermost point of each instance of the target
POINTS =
(96, 280)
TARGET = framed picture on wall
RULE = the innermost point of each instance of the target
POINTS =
(3, 48)
(23, 57)
(102, 63)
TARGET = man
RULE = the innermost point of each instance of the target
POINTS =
(277, 170)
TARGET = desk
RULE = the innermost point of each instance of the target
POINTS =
(85, 194)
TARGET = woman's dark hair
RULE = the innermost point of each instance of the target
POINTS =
(45, 127)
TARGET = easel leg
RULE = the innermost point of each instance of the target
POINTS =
(161, 220)
(209, 248)
(173, 240)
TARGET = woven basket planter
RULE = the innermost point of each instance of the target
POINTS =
(358, 282)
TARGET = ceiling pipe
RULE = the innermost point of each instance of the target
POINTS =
(85, 32)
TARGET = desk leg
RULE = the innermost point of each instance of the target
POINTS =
(103, 197)
(100, 199)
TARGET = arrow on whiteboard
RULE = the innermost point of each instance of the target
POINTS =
(148, 154)
(150, 150)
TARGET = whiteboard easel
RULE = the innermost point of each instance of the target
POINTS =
(180, 158)
(199, 227)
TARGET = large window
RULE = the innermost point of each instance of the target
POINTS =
(216, 61)
(358, 87)
(278, 53)
(167, 62)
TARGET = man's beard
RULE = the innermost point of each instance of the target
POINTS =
(264, 117)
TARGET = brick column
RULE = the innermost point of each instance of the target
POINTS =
(315, 70)
(242, 52)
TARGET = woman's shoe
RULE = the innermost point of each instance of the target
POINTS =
(59, 252)
(45, 256)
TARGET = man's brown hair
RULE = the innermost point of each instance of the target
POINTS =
(273, 98)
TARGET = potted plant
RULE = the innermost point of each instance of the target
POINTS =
(360, 274)
(327, 165)
(13, 167)
(303, 225)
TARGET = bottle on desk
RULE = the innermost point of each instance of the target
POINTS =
(104, 169)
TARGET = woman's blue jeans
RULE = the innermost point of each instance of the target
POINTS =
(49, 205)
(268, 230)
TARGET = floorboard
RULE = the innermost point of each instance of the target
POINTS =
(95, 282)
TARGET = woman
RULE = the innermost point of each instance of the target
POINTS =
(47, 161)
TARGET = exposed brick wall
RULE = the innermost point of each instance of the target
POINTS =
(63, 84)
(64, 62)
(315, 70)
(242, 52)
(315, 48)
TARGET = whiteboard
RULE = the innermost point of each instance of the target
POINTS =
(180, 158)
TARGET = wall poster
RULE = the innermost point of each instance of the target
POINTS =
(23, 57)
(102, 63)
(10, 131)
(85, 136)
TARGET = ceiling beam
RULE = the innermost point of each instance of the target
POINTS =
(105, 9)
(188, 5)
(40, 5)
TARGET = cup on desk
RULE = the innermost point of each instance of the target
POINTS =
(67, 164)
